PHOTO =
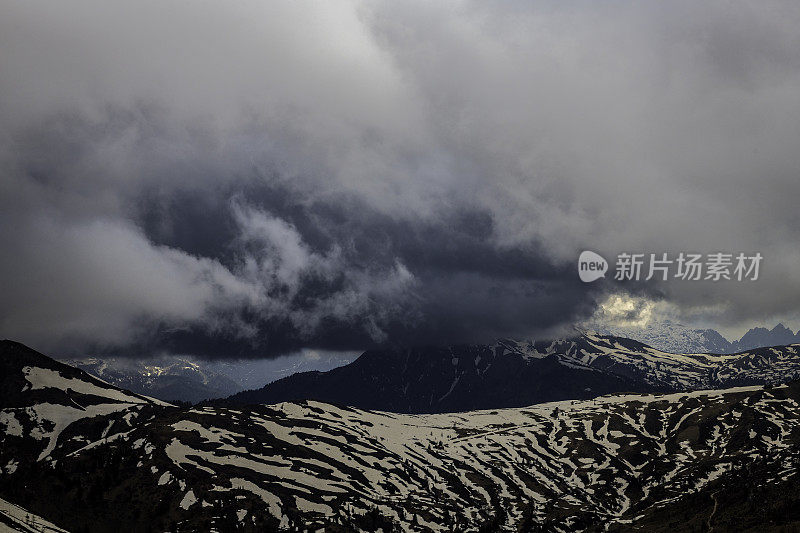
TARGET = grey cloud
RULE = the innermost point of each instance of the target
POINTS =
(259, 178)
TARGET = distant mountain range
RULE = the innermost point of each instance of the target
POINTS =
(187, 379)
(169, 379)
(82, 455)
(676, 338)
(780, 335)
(515, 374)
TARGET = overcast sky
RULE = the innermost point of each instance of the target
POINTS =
(237, 178)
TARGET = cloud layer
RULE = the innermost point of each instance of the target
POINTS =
(250, 178)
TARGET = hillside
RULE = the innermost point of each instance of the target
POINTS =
(101, 459)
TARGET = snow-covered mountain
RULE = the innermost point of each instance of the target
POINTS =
(677, 338)
(188, 379)
(700, 460)
(672, 337)
(166, 378)
(514, 374)
(780, 335)
(48, 404)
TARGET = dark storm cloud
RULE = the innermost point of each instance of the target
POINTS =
(253, 178)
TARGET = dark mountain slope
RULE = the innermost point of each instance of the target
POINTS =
(514, 374)
(460, 378)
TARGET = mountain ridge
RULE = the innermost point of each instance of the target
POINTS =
(673, 337)
(513, 374)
